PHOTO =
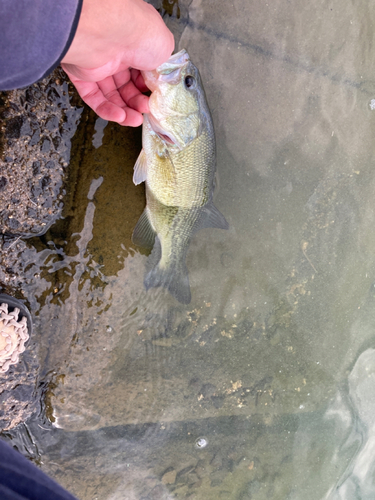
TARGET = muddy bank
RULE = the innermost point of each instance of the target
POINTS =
(36, 127)
(51, 182)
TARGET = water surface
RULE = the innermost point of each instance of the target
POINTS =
(273, 362)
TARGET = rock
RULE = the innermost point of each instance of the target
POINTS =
(169, 477)
(38, 123)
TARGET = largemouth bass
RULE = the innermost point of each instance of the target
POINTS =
(177, 162)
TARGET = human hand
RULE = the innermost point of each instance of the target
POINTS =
(113, 42)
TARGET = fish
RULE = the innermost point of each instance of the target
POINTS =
(177, 163)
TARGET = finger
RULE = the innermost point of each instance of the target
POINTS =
(139, 102)
(110, 91)
(109, 111)
(112, 112)
(128, 93)
(138, 80)
(133, 118)
(93, 97)
(122, 77)
(125, 86)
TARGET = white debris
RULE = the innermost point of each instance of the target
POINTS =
(13, 336)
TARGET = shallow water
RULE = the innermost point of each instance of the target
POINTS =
(273, 362)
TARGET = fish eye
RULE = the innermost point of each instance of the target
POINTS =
(189, 81)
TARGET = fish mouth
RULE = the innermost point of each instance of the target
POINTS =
(168, 72)
(176, 61)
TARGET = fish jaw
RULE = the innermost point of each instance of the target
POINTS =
(168, 72)
(174, 109)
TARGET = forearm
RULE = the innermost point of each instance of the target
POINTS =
(34, 36)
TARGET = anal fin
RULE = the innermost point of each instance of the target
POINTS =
(144, 234)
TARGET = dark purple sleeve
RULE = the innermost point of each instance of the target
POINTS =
(34, 37)
(22, 480)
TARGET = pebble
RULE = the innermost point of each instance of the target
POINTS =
(169, 477)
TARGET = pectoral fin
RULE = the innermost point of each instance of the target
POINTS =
(211, 217)
(140, 169)
(144, 234)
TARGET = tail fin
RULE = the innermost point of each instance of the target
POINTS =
(174, 278)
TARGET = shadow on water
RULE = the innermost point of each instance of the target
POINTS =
(111, 166)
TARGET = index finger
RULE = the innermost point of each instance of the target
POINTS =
(94, 97)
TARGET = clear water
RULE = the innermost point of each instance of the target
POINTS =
(264, 386)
